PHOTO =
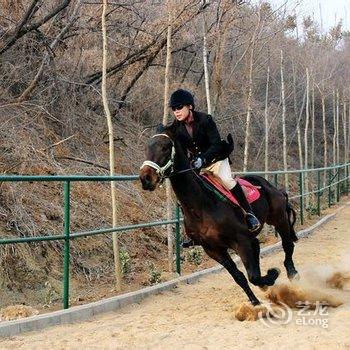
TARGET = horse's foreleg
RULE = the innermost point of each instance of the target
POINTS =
(240, 279)
(288, 246)
(223, 258)
(249, 252)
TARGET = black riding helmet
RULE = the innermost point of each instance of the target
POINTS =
(181, 97)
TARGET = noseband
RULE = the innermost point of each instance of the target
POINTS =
(161, 170)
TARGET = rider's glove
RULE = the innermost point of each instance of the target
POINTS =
(197, 163)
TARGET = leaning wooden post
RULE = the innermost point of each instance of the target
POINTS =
(165, 120)
(117, 265)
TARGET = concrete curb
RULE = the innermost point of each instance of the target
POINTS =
(84, 312)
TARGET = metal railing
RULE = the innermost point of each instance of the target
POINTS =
(332, 172)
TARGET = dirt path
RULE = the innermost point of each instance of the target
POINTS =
(201, 316)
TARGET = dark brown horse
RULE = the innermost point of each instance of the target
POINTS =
(218, 225)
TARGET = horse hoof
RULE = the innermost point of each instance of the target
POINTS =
(264, 288)
(294, 276)
(274, 272)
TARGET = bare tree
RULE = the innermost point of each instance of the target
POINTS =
(324, 132)
(250, 93)
(117, 265)
(165, 120)
(306, 134)
(47, 57)
(337, 129)
(344, 116)
(284, 132)
(267, 124)
(334, 128)
(312, 124)
(298, 119)
(28, 24)
(205, 64)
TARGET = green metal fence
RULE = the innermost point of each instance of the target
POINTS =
(337, 183)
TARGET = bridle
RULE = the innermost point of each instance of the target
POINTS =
(161, 170)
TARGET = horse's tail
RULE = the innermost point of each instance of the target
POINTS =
(292, 216)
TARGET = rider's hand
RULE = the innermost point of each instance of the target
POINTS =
(197, 163)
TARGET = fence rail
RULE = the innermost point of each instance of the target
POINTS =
(340, 173)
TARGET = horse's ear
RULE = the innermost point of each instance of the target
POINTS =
(170, 130)
(167, 129)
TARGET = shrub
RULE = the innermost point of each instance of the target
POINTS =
(195, 256)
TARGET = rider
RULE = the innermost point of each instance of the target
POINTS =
(198, 133)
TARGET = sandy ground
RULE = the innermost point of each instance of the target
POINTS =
(201, 316)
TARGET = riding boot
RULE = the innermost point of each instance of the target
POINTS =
(252, 222)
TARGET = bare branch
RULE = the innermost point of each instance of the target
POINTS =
(22, 30)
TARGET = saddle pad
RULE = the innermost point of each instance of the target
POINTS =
(252, 193)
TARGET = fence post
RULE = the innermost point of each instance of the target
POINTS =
(338, 185)
(319, 193)
(177, 239)
(66, 244)
(329, 188)
(301, 192)
(347, 179)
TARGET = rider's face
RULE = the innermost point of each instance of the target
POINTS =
(183, 113)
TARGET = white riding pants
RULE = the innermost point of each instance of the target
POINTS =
(222, 170)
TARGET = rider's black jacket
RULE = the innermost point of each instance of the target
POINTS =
(205, 141)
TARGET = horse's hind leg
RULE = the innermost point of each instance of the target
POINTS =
(222, 257)
(249, 251)
(283, 228)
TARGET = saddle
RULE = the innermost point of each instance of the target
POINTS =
(251, 192)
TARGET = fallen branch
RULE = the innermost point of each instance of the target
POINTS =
(58, 143)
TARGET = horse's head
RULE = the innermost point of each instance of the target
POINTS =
(160, 152)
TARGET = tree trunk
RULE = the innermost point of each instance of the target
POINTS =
(117, 265)
(205, 64)
(165, 120)
(306, 136)
(312, 125)
(249, 97)
(337, 127)
(344, 129)
(348, 132)
(284, 136)
(298, 118)
(334, 130)
(267, 122)
(324, 129)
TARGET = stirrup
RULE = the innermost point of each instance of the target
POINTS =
(252, 222)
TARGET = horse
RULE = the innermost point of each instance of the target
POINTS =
(219, 225)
